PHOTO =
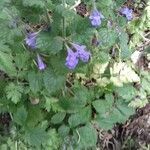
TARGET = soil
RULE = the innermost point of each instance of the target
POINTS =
(5, 121)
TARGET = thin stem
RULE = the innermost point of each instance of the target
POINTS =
(48, 17)
(94, 4)
(64, 21)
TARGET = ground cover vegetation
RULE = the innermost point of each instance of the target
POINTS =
(74, 74)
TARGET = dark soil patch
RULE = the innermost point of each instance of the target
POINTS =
(5, 120)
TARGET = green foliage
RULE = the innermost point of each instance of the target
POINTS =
(49, 44)
(111, 112)
(56, 108)
(53, 140)
(34, 3)
(21, 116)
(32, 119)
(127, 92)
(120, 114)
(35, 136)
(34, 81)
(14, 92)
(6, 60)
(108, 37)
(125, 51)
(138, 26)
(52, 81)
(82, 117)
(88, 137)
(58, 118)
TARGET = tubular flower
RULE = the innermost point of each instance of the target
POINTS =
(72, 59)
(31, 40)
(95, 18)
(40, 63)
(127, 12)
(83, 55)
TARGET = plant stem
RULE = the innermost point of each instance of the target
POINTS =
(94, 4)
(64, 21)
(46, 12)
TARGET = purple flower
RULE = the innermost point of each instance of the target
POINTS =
(71, 60)
(82, 53)
(31, 40)
(40, 63)
(95, 18)
(127, 12)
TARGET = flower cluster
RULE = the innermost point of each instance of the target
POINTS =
(127, 12)
(74, 57)
(95, 18)
(80, 52)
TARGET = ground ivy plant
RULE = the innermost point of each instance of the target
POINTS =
(64, 69)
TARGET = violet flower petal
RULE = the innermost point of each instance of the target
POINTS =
(31, 40)
(40, 63)
(95, 18)
(71, 60)
(127, 13)
(82, 53)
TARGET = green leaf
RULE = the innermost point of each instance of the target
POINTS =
(6, 62)
(58, 64)
(146, 85)
(82, 117)
(36, 136)
(52, 81)
(35, 3)
(119, 114)
(125, 112)
(104, 3)
(6, 33)
(21, 60)
(3, 3)
(20, 116)
(120, 2)
(43, 41)
(4, 48)
(105, 122)
(32, 119)
(72, 105)
(77, 102)
(48, 44)
(101, 57)
(56, 45)
(103, 106)
(70, 2)
(34, 81)
(53, 141)
(125, 51)
(63, 130)
(58, 118)
(14, 92)
(127, 92)
(88, 137)
(50, 103)
(107, 37)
